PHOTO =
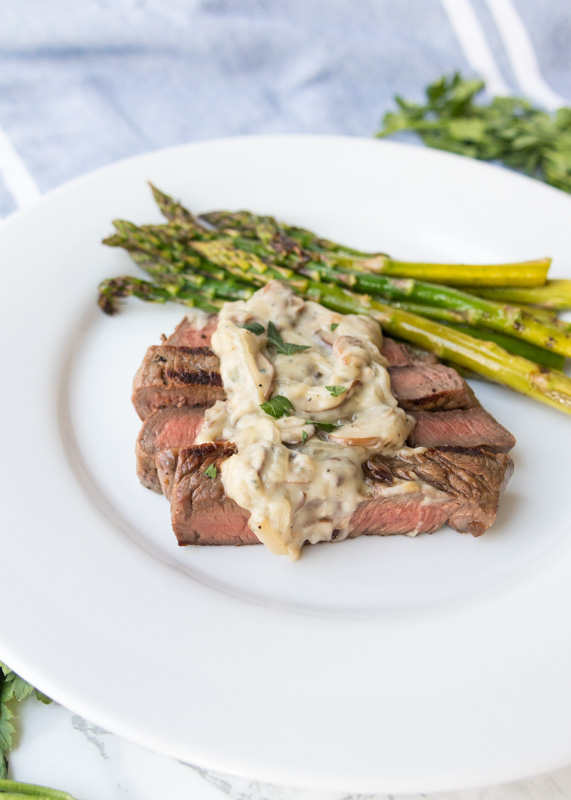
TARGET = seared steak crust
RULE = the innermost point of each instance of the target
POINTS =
(201, 512)
(176, 376)
(472, 479)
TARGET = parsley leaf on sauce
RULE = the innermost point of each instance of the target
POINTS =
(285, 348)
(278, 406)
(323, 426)
(253, 327)
(336, 390)
(211, 471)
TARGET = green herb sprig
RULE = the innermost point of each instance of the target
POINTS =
(211, 471)
(336, 390)
(13, 689)
(322, 426)
(278, 406)
(285, 348)
(254, 327)
(508, 129)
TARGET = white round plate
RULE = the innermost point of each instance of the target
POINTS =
(380, 664)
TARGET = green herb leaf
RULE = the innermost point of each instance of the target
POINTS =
(334, 325)
(253, 327)
(285, 348)
(508, 129)
(278, 406)
(323, 426)
(14, 686)
(12, 689)
(336, 390)
(6, 729)
(211, 471)
(304, 436)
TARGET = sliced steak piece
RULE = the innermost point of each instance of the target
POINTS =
(188, 334)
(400, 354)
(172, 428)
(176, 376)
(163, 429)
(189, 376)
(473, 480)
(458, 486)
(430, 386)
(201, 512)
(468, 427)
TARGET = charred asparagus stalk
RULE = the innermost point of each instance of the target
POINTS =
(554, 294)
(513, 346)
(112, 290)
(470, 309)
(268, 230)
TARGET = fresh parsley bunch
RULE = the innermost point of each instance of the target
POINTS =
(12, 689)
(509, 129)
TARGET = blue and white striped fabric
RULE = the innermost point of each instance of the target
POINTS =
(83, 84)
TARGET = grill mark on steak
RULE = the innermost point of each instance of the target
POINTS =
(176, 376)
(197, 351)
(199, 376)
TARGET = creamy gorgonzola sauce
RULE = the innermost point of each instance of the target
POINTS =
(300, 475)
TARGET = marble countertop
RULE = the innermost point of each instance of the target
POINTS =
(58, 748)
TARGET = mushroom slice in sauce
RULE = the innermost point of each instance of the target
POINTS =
(380, 427)
(314, 398)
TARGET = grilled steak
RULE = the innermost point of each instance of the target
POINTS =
(189, 376)
(170, 428)
(457, 480)
(469, 427)
(176, 376)
(457, 486)
(187, 334)
(164, 429)
(430, 386)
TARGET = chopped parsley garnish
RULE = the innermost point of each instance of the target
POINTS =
(253, 327)
(336, 390)
(304, 436)
(211, 471)
(278, 406)
(285, 348)
(323, 426)
(334, 325)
